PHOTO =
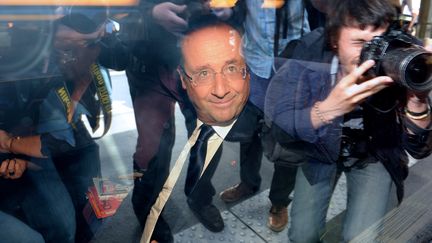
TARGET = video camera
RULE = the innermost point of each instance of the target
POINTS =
(399, 55)
(27, 30)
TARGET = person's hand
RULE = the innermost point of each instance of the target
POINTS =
(5, 142)
(166, 14)
(12, 168)
(351, 91)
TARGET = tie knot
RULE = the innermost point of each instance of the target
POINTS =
(206, 132)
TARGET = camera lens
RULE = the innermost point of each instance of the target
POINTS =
(419, 70)
(411, 67)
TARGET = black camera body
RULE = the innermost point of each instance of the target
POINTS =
(194, 9)
(399, 55)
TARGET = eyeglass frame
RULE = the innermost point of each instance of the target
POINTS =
(244, 72)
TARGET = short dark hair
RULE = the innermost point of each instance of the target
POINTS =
(358, 13)
(199, 22)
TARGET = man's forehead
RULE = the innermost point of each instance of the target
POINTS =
(351, 22)
(211, 45)
(363, 30)
(217, 33)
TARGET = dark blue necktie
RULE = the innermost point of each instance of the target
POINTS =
(197, 158)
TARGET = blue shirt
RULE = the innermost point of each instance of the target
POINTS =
(52, 118)
(260, 24)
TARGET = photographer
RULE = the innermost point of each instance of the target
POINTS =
(34, 201)
(56, 133)
(351, 123)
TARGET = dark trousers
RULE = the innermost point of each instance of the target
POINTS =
(283, 180)
(147, 188)
(154, 116)
(282, 185)
(251, 152)
(40, 199)
(77, 168)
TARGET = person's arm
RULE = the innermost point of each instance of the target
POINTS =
(288, 96)
(165, 14)
(417, 109)
(30, 145)
(416, 117)
(414, 8)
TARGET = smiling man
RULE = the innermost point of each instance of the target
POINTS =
(214, 74)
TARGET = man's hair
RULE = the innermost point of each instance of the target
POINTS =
(358, 13)
(200, 22)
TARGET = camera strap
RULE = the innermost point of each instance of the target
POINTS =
(282, 16)
(64, 97)
(102, 82)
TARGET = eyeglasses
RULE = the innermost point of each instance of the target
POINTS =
(206, 76)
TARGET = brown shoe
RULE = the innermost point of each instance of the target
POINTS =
(236, 193)
(278, 218)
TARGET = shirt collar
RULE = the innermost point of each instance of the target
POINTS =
(221, 131)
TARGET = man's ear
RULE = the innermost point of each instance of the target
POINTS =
(246, 74)
(181, 78)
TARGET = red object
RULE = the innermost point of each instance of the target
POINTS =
(104, 207)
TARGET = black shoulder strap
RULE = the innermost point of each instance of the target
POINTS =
(277, 32)
(282, 15)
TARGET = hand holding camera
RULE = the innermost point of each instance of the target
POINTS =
(174, 18)
(348, 93)
(168, 15)
(399, 55)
